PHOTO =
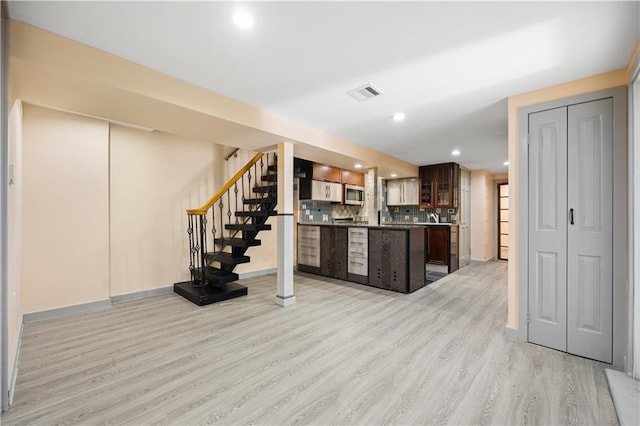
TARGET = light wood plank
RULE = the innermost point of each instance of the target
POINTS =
(343, 354)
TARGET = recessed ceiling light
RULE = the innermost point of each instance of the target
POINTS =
(358, 166)
(506, 163)
(242, 19)
(455, 152)
(393, 175)
(398, 116)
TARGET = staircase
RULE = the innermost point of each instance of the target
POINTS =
(222, 230)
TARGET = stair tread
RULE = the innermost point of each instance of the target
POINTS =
(238, 242)
(218, 276)
(259, 200)
(256, 213)
(269, 178)
(226, 258)
(265, 188)
(248, 227)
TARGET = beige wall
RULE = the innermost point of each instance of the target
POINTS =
(155, 178)
(481, 227)
(107, 206)
(14, 237)
(560, 91)
(65, 257)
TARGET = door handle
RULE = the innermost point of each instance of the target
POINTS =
(571, 216)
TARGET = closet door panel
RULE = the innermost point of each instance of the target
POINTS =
(590, 243)
(548, 228)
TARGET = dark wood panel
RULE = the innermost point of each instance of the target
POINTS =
(304, 184)
(360, 279)
(327, 249)
(415, 260)
(341, 253)
(309, 269)
(437, 245)
(454, 257)
(395, 269)
(376, 255)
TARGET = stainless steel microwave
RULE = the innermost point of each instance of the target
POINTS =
(353, 195)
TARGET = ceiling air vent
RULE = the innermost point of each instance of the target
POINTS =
(365, 92)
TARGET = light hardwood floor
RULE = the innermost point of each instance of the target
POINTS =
(343, 354)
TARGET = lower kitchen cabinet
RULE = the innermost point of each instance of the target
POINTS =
(358, 256)
(386, 257)
(441, 242)
(396, 259)
(333, 251)
(309, 248)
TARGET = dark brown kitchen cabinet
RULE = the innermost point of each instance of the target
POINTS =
(439, 185)
(305, 167)
(334, 241)
(396, 259)
(441, 246)
(437, 241)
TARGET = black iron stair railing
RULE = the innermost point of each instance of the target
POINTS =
(223, 229)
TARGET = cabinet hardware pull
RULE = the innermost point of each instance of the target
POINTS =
(571, 216)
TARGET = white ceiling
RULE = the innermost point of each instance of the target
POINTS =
(448, 66)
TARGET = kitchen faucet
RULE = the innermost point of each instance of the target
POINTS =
(435, 217)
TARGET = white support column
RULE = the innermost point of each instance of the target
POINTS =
(285, 296)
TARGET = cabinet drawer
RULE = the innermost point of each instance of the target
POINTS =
(358, 267)
(309, 231)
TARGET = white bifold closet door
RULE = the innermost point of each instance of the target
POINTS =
(570, 229)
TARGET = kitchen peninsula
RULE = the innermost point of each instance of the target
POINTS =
(390, 257)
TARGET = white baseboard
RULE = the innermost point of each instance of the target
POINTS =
(512, 333)
(16, 356)
(257, 273)
(67, 310)
(141, 294)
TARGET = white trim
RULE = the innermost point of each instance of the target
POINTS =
(120, 298)
(511, 333)
(633, 354)
(16, 357)
(257, 273)
(67, 310)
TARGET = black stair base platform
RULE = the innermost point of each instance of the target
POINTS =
(208, 294)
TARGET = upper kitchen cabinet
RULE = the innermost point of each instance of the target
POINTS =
(352, 178)
(402, 192)
(326, 191)
(326, 173)
(439, 185)
(322, 182)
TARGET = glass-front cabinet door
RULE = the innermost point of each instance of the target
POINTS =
(443, 185)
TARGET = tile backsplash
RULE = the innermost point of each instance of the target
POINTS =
(411, 214)
(325, 212)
